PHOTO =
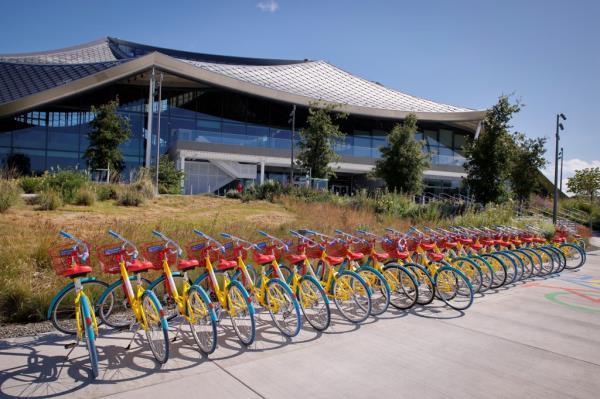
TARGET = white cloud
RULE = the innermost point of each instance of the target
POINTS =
(268, 6)
(569, 168)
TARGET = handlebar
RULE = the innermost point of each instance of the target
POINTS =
(178, 249)
(210, 239)
(85, 250)
(126, 243)
(238, 239)
(272, 238)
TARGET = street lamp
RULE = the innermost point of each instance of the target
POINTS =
(292, 120)
(561, 156)
(559, 127)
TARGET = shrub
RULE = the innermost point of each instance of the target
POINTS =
(67, 183)
(130, 196)
(85, 196)
(105, 192)
(31, 184)
(49, 200)
(232, 193)
(10, 194)
(169, 177)
(143, 184)
(269, 190)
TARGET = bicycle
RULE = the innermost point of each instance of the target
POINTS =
(308, 291)
(272, 293)
(402, 285)
(230, 296)
(349, 291)
(193, 303)
(74, 262)
(142, 303)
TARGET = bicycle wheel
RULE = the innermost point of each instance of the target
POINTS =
(559, 257)
(158, 286)
(511, 266)
(547, 261)
(426, 288)
(527, 261)
(454, 288)
(404, 290)
(574, 255)
(241, 312)
(283, 307)
(487, 272)
(114, 309)
(352, 296)
(89, 333)
(471, 270)
(378, 288)
(536, 261)
(499, 268)
(202, 319)
(314, 303)
(62, 308)
(287, 273)
(156, 326)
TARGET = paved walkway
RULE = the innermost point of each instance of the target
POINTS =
(535, 340)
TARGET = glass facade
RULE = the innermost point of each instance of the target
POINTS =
(58, 135)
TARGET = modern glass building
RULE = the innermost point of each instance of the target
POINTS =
(222, 119)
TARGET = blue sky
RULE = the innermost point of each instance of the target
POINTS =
(464, 53)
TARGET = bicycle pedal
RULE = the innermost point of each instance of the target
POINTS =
(70, 345)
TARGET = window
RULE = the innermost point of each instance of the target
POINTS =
(446, 138)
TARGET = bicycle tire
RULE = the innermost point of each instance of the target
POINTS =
(67, 296)
(279, 293)
(487, 272)
(90, 336)
(166, 299)
(379, 289)
(239, 300)
(345, 286)
(472, 271)
(157, 333)
(117, 313)
(547, 261)
(426, 288)
(310, 293)
(452, 275)
(202, 319)
(580, 252)
(499, 268)
(404, 291)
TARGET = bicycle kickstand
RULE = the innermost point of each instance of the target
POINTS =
(132, 337)
(71, 346)
(178, 330)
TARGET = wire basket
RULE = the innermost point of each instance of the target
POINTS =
(364, 247)
(312, 252)
(155, 252)
(66, 257)
(337, 249)
(110, 256)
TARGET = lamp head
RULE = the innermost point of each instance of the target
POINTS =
(561, 127)
(564, 118)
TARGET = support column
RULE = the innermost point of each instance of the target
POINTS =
(262, 172)
(180, 164)
(150, 115)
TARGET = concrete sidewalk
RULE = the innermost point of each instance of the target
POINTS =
(534, 340)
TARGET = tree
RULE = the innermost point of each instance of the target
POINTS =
(316, 140)
(488, 157)
(585, 182)
(169, 177)
(402, 161)
(527, 160)
(109, 131)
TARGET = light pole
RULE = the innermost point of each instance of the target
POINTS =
(559, 127)
(560, 155)
(292, 120)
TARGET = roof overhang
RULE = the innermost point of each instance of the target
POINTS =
(174, 66)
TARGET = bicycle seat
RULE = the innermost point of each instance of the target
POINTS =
(527, 239)
(427, 247)
(516, 241)
(225, 264)
(487, 241)
(186, 264)
(334, 260)
(450, 244)
(295, 258)
(399, 254)
(559, 239)
(382, 256)
(435, 256)
(263, 259)
(138, 266)
(539, 240)
(76, 271)
(476, 246)
(465, 240)
(355, 255)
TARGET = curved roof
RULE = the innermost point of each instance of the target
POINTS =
(52, 74)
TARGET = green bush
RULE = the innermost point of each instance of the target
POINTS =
(19, 304)
(130, 196)
(10, 194)
(169, 178)
(232, 193)
(49, 200)
(143, 184)
(85, 196)
(269, 190)
(67, 183)
(31, 184)
(105, 192)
